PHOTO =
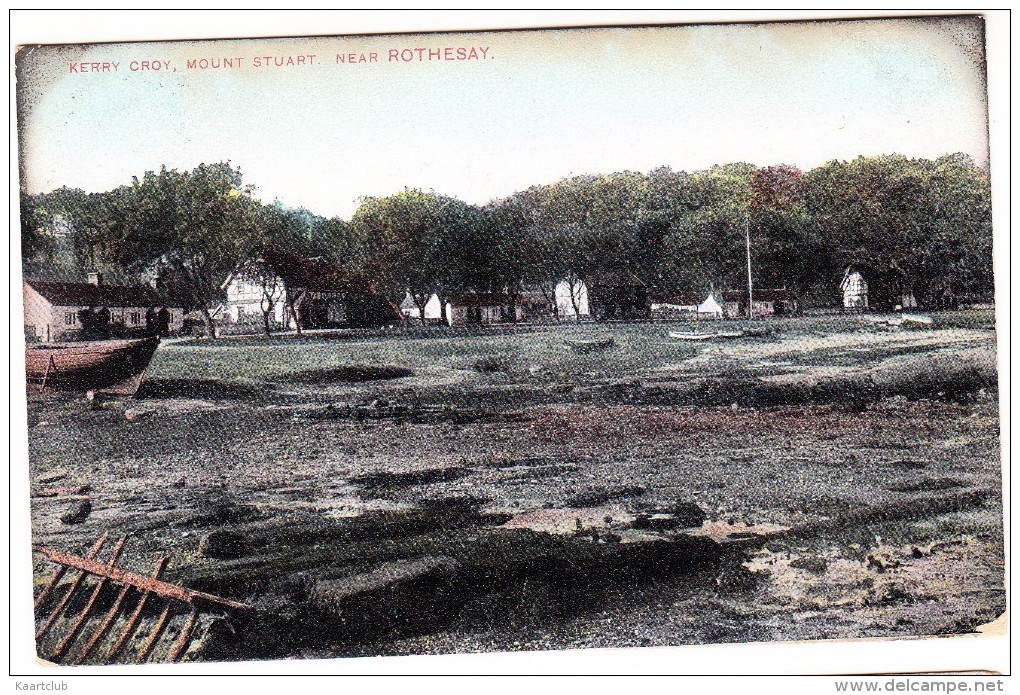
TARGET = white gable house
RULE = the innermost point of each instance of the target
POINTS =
(855, 290)
(58, 311)
(572, 299)
(247, 298)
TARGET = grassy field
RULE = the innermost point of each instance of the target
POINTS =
(540, 353)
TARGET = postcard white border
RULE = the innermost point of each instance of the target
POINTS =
(864, 656)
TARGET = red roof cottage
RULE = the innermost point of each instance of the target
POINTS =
(92, 310)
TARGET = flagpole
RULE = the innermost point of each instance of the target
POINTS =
(750, 285)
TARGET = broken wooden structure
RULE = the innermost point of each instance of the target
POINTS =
(86, 633)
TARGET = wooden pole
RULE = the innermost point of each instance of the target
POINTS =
(49, 365)
(63, 569)
(182, 641)
(133, 620)
(65, 643)
(156, 632)
(170, 591)
(100, 632)
(57, 576)
(750, 284)
(74, 587)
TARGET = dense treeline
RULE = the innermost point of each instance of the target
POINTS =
(910, 224)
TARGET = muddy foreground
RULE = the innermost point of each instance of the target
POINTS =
(471, 509)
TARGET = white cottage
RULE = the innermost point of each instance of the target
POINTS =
(855, 290)
(570, 295)
(485, 308)
(489, 308)
(309, 291)
(57, 311)
(247, 297)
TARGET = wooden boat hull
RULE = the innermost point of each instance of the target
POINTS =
(113, 366)
(586, 346)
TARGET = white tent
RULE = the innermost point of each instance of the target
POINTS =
(710, 307)
(433, 308)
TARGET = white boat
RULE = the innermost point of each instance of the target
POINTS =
(917, 321)
(706, 336)
(904, 320)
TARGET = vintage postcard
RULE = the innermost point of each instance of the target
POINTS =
(501, 341)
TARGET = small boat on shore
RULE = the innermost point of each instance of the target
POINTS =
(917, 321)
(706, 336)
(904, 321)
(587, 346)
(111, 366)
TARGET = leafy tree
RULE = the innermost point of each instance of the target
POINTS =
(189, 229)
(526, 242)
(334, 239)
(914, 225)
(956, 242)
(786, 248)
(667, 217)
(776, 189)
(272, 234)
(36, 239)
(73, 231)
(593, 220)
(413, 238)
(705, 242)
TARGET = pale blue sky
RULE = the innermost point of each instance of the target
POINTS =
(545, 105)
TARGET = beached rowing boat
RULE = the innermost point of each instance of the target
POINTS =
(113, 366)
(586, 346)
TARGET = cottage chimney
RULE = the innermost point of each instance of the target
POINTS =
(95, 279)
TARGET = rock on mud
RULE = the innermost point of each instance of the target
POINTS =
(332, 595)
(59, 491)
(77, 513)
(600, 496)
(809, 563)
(882, 560)
(133, 414)
(223, 544)
(688, 514)
(682, 515)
